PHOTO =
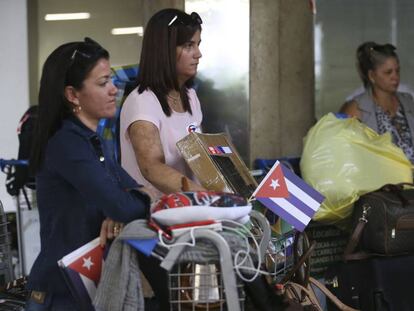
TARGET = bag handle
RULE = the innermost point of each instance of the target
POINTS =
(399, 185)
(356, 236)
(339, 304)
(305, 296)
(396, 189)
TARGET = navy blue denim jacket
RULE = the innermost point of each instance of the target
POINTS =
(78, 186)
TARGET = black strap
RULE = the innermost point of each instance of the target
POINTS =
(356, 237)
(397, 190)
(353, 242)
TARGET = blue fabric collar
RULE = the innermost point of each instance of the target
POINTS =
(74, 124)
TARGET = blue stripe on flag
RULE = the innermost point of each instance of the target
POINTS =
(301, 205)
(280, 211)
(226, 149)
(302, 184)
(76, 281)
(302, 195)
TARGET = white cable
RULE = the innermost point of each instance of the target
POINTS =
(238, 266)
(192, 243)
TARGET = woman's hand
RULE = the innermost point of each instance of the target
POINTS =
(110, 229)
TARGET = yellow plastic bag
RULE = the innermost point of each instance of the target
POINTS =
(343, 159)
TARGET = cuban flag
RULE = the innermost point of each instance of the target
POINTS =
(82, 271)
(288, 196)
(212, 150)
(219, 150)
(224, 149)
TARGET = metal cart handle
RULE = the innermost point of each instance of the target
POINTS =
(226, 263)
(266, 236)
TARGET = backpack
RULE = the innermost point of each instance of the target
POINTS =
(18, 175)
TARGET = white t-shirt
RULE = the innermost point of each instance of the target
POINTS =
(145, 106)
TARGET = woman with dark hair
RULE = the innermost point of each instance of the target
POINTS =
(81, 191)
(163, 108)
(381, 106)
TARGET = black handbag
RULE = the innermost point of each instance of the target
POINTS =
(383, 223)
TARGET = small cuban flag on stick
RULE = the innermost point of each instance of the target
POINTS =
(288, 196)
(82, 271)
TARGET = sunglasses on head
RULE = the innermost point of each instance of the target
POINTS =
(85, 49)
(187, 20)
(78, 52)
(383, 48)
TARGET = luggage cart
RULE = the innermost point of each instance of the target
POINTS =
(23, 201)
(208, 285)
(288, 258)
(6, 266)
(279, 256)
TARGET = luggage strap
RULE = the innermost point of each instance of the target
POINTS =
(339, 304)
(356, 236)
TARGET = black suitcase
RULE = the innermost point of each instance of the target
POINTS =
(374, 284)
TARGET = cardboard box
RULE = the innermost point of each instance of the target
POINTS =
(216, 164)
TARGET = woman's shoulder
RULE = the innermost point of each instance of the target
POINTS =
(135, 95)
(146, 97)
(138, 103)
(71, 132)
(67, 142)
(363, 96)
(406, 96)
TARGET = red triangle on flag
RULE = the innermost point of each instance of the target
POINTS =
(273, 185)
(90, 264)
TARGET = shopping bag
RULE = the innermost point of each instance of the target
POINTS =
(343, 159)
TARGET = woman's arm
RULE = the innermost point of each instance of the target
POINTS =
(145, 139)
(351, 109)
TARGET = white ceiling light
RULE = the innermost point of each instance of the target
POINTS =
(67, 16)
(128, 30)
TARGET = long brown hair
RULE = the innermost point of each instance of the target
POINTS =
(166, 30)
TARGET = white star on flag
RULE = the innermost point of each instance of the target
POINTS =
(274, 184)
(87, 263)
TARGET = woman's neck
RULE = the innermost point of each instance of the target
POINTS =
(174, 100)
(386, 100)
